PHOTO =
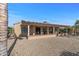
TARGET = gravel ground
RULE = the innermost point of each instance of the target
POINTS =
(50, 46)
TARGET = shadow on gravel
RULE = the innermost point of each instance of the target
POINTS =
(20, 38)
(67, 53)
(12, 46)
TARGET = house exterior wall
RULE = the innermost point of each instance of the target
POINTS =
(32, 30)
(27, 29)
(17, 29)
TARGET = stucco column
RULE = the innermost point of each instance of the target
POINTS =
(3, 29)
(47, 30)
(41, 31)
(28, 30)
(53, 30)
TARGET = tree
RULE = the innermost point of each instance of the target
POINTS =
(10, 29)
(76, 26)
(77, 22)
(3, 29)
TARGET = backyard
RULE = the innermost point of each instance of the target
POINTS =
(49, 46)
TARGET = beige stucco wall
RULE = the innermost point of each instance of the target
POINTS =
(32, 31)
(17, 29)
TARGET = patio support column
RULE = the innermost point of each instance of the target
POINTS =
(28, 30)
(41, 31)
(53, 30)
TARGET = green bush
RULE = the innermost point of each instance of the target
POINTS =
(10, 29)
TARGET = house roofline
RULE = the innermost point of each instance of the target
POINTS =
(29, 22)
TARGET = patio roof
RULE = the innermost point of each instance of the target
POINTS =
(42, 24)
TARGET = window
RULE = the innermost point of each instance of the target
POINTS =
(24, 30)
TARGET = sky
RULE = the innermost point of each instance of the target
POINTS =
(54, 13)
